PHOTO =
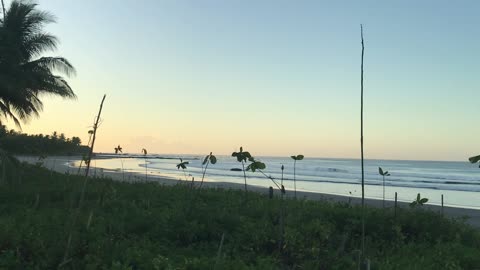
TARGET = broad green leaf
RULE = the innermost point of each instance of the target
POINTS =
(241, 149)
(247, 154)
(294, 157)
(474, 159)
(213, 159)
(380, 171)
(300, 157)
(235, 170)
(261, 165)
(424, 200)
(418, 197)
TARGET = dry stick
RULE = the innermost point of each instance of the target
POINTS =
(245, 178)
(395, 204)
(294, 179)
(442, 204)
(361, 145)
(82, 195)
(204, 171)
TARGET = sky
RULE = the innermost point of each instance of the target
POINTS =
(276, 77)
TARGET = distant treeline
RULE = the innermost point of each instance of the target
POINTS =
(55, 144)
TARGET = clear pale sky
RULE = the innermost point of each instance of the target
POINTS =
(278, 77)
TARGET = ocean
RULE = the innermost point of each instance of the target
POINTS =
(458, 182)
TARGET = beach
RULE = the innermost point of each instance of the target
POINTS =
(61, 164)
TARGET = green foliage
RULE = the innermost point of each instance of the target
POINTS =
(149, 226)
(474, 159)
(241, 156)
(27, 74)
(209, 158)
(419, 201)
(24, 144)
(383, 173)
(255, 165)
(297, 157)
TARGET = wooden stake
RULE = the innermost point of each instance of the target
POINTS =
(442, 204)
(361, 144)
(395, 204)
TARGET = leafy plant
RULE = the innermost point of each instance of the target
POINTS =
(183, 166)
(242, 157)
(26, 77)
(295, 158)
(209, 159)
(474, 159)
(383, 174)
(419, 201)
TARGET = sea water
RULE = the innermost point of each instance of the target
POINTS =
(458, 182)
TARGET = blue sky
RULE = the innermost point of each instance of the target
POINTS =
(278, 77)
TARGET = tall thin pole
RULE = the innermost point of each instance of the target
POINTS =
(95, 126)
(361, 145)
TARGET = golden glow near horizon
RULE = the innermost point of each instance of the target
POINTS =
(187, 78)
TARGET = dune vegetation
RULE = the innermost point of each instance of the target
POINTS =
(150, 226)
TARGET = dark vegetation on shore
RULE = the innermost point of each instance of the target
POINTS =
(149, 226)
(24, 144)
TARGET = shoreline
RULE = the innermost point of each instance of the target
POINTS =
(57, 163)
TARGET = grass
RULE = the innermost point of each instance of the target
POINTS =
(149, 226)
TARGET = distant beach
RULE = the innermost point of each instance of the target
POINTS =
(65, 164)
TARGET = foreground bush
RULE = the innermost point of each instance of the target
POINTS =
(149, 226)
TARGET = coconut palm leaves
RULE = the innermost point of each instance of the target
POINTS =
(383, 174)
(24, 77)
(295, 158)
(209, 159)
(118, 149)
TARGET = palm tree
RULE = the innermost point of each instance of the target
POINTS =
(26, 75)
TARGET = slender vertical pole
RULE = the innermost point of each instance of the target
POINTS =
(395, 204)
(294, 178)
(442, 204)
(383, 191)
(361, 144)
